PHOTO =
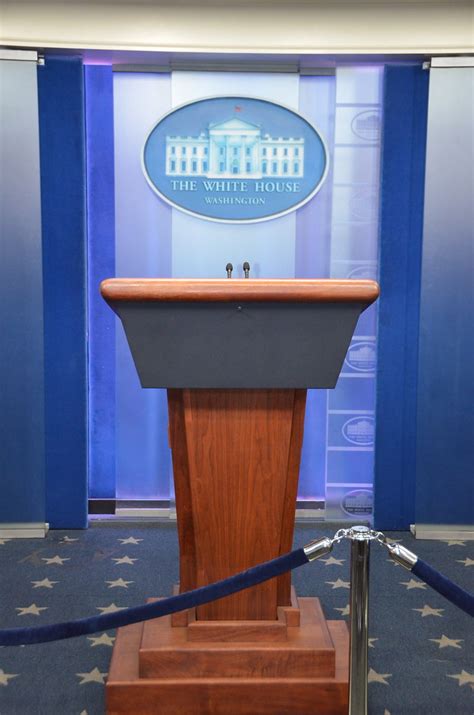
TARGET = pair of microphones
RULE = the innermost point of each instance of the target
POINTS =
(246, 266)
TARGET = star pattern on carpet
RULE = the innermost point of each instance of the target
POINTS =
(428, 611)
(339, 583)
(45, 583)
(453, 542)
(130, 540)
(4, 541)
(110, 609)
(445, 642)
(374, 677)
(413, 583)
(124, 560)
(344, 611)
(466, 562)
(67, 540)
(371, 642)
(32, 610)
(103, 639)
(464, 678)
(55, 560)
(392, 541)
(391, 561)
(331, 561)
(119, 583)
(95, 676)
(5, 677)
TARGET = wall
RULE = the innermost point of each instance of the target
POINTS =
(21, 306)
(445, 435)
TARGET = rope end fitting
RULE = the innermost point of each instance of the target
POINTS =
(315, 549)
(402, 556)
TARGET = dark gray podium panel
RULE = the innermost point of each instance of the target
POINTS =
(238, 345)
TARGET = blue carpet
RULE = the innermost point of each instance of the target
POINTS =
(421, 659)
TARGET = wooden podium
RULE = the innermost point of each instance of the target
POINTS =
(236, 357)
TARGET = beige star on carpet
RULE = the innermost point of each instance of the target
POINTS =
(393, 562)
(464, 678)
(104, 639)
(4, 541)
(344, 611)
(371, 642)
(32, 610)
(124, 560)
(392, 541)
(445, 642)
(385, 712)
(428, 611)
(110, 609)
(67, 540)
(119, 583)
(374, 677)
(331, 561)
(95, 676)
(453, 542)
(55, 560)
(466, 562)
(130, 540)
(5, 677)
(84, 712)
(413, 583)
(339, 583)
(45, 583)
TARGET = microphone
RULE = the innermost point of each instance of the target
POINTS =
(246, 268)
(229, 268)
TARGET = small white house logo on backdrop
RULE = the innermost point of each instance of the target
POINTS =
(366, 270)
(358, 502)
(361, 356)
(366, 125)
(359, 431)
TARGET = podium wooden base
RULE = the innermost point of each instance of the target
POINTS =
(295, 665)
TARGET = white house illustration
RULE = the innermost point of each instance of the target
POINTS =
(234, 149)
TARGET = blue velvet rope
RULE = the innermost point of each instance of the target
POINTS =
(457, 595)
(189, 599)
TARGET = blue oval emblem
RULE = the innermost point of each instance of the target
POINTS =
(358, 502)
(359, 430)
(361, 356)
(235, 159)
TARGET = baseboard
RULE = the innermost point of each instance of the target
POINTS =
(24, 530)
(150, 512)
(162, 509)
(448, 532)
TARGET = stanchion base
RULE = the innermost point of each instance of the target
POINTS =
(232, 668)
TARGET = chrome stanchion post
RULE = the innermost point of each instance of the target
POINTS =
(359, 605)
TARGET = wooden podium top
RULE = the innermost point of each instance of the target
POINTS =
(239, 289)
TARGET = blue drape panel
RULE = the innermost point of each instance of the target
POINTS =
(403, 162)
(63, 206)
